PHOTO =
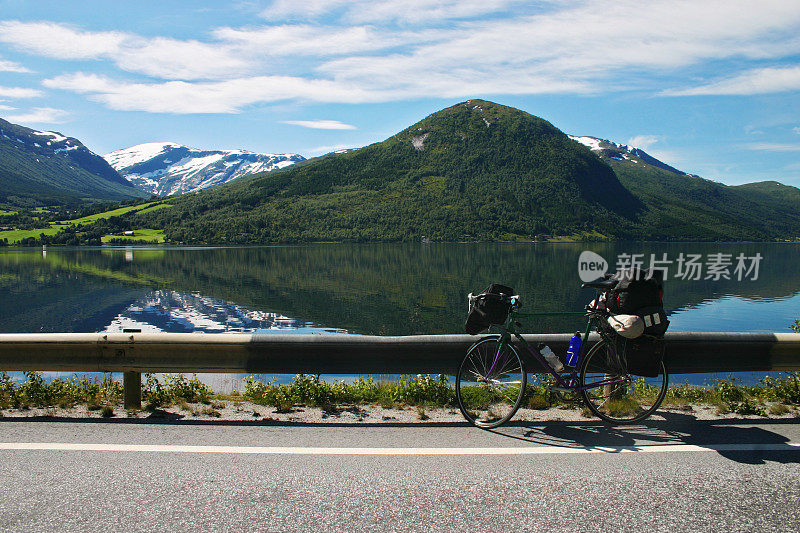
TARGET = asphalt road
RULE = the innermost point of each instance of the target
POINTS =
(678, 475)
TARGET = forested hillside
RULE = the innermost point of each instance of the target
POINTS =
(479, 171)
(475, 171)
(46, 168)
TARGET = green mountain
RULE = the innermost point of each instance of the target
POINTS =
(46, 168)
(475, 171)
(771, 190)
(685, 206)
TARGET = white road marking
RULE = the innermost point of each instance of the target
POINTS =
(300, 450)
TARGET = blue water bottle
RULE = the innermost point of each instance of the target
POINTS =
(574, 349)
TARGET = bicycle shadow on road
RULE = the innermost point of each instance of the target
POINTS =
(676, 428)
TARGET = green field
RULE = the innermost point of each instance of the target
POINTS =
(154, 208)
(17, 235)
(146, 235)
(4, 213)
(140, 236)
(108, 214)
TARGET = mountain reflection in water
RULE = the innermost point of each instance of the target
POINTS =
(176, 312)
(380, 289)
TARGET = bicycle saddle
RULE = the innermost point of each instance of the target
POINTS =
(603, 284)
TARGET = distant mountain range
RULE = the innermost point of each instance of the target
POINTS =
(475, 171)
(48, 168)
(167, 168)
(480, 171)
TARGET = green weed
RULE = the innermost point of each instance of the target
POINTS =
(422, 390)
(176, 389)
(779, 409)
(35, 392)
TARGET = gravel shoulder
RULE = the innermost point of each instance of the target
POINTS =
(224, 410)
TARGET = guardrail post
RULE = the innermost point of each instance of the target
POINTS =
(132, 384)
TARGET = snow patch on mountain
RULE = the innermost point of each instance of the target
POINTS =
(591, 142)
(622, 152)
(167, 168)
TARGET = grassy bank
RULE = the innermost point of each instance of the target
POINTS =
(144, 236)
(771, 396)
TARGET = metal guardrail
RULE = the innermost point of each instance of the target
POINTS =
(133, 353)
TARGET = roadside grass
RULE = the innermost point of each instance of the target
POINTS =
(176, 389)
(774, 396)
(64, 393)
(15, 236)
(420, 391)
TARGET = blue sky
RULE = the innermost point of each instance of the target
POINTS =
(710, 87)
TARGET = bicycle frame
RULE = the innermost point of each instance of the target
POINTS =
(568, 380)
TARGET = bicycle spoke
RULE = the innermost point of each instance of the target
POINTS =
(630, 400)
(490, 383)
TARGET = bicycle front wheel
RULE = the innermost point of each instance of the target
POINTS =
(620, 397)
(490, 383)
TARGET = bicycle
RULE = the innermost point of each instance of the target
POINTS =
(492, 379)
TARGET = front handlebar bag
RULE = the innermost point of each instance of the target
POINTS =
(489, 307)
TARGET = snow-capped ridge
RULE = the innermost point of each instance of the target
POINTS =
(620, 152)
(167, 168)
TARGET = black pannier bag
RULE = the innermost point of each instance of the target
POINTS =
(634, 291)
(655, 320)
(489, 307)
(643, 355)
(635, 294)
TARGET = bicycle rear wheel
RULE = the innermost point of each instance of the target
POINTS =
(631, 399)
(490, 383)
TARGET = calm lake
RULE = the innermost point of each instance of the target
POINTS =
(384, 289)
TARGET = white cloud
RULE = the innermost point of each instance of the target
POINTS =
(796, 129)
(643, 141)
(174, 59)
(61, 41)
(160, 56)
(308, 8)
(424, 11)
(756, 81)
(310, 40)
(774, 147)
(11, 66)
(19, 92)
(373, 11)
(321, 124)
(40, 115)
(228, 96)
(6, 107)
(364, 53)
(320, 150)
(576, 49)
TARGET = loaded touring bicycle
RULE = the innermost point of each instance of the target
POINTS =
(621, 377)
